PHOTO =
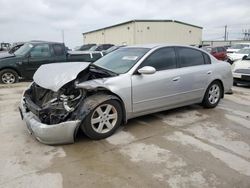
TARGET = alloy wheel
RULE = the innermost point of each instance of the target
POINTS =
(104, 118)
(8, 78)
(214, 94)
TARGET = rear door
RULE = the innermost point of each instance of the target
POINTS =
(39, 55)
(196, 71)
(158, 90)
(59, 53)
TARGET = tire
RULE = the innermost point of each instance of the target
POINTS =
(213, 95)
(8, 76)
(98, 124)
(235, 83)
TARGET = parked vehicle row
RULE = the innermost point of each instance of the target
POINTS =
(238, 55)
(237, 47)
(218, 52)
(94, 47)
(241, 71)
(30, 56)
(129, 82)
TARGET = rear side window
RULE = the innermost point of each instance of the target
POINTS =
(206, 58)
(190, 57)
(161, 59)
(58, 49)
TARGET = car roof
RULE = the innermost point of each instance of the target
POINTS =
(153, 46)
(40, 41)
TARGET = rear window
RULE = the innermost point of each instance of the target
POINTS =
(190, 57)
(58, 49)
(221, 49)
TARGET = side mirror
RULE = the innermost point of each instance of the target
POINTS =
(244, 57)
(147, 70)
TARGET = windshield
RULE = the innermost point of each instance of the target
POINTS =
(24, 49)
(121, 60)
(244, 51)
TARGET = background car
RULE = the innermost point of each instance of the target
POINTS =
(4, 46)
(101, 47)
(238, 55)
(28, 58)
(237, 47)
(127, 83)
(111, 49)
(241, 71)
(218, 52)
(84, 47)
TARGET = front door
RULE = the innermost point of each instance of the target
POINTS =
(151, 92)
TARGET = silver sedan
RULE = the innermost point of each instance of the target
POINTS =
(130, 82)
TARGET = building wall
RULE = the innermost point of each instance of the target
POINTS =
(146, 32)
(167, 32)
(123, 34)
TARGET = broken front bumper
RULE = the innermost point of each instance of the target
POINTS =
(61, 133)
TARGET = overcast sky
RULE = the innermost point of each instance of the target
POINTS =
(23, 20)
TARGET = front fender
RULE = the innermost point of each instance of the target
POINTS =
(90, 103)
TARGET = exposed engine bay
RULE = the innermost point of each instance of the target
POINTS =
(55, 107)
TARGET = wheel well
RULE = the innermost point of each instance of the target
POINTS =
(124, 119)
(11, 68)
(108, 92)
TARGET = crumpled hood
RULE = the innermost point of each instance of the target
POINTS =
(4, 55)
(54, 76)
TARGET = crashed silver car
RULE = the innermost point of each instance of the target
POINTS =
(132, 81)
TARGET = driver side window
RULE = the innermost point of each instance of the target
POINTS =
(161, 59)
(41, 50)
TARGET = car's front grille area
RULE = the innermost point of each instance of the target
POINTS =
(242, 71)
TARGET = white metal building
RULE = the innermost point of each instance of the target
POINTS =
(146, 31)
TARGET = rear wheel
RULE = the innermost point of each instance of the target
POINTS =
(8, 76)
(103, 120)
(213, 95)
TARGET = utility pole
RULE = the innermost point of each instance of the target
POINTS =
(225, 35)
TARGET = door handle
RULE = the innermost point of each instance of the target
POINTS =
(209, 72)
(176, 79)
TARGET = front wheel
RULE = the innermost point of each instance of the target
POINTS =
(8, 76)
(103, 120)
(213, 95)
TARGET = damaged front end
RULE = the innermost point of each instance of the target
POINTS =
(53, 107)
(48, 114)
(54, 114)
